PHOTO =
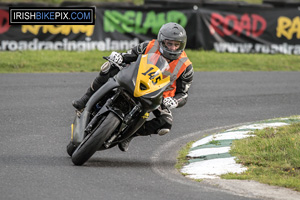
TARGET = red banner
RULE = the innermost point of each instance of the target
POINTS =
(251, 31)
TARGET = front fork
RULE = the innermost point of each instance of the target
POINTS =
(104, 109)
(130, 122)
(125, 123)
(127, 120)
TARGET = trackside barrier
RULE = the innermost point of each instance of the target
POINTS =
(224, 27)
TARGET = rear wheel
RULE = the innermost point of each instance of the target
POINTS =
(92, 142)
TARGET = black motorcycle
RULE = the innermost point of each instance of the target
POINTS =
(120, 107)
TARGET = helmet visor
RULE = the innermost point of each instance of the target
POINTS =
(173, 45)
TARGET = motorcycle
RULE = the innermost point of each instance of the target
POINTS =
(120, 107)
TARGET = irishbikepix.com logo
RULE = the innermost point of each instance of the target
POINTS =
(52, 16)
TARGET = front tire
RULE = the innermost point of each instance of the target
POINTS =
(92, 142)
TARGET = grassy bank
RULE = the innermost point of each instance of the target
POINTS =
(90, 61)
(272, 157)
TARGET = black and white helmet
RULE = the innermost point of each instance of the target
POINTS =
(175, 32)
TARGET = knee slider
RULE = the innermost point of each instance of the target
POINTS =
(105, 67)
(163, 131)
(166, 121)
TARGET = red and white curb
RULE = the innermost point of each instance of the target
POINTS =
(209, 157)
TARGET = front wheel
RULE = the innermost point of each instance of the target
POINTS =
(92, 142)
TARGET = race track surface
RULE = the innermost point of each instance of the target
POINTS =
(36, 114)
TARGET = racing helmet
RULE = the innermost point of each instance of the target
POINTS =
(174, 32)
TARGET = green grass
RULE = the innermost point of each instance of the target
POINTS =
(50, 61)
(272, 157)
(181, 158)
(213, 61)
(90, 61)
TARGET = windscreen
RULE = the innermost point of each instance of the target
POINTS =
(153, 74)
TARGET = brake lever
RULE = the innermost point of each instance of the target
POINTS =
(113, 62)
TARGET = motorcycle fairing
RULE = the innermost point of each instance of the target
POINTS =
(149, 78)
(151, 70)
(81, 120)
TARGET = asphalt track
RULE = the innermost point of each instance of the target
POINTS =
(35, 119)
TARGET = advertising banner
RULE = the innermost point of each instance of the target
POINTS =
(251, 31)
(141, 24)
(243, 30)
(114, 29)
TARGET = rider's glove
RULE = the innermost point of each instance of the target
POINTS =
(116, 57)
(170, 102)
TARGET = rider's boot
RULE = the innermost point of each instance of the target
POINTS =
(79, 104)
(124, 146)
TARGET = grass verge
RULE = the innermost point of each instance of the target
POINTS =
(90, 61)
(272, 157)
(181, 158)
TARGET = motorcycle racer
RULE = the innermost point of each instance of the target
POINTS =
(170, 43)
